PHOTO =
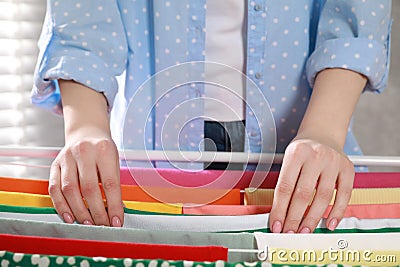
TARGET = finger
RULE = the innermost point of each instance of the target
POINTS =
(291, 166)
(322, 197)
(108, 168)
(343, 194)
(59, 202)
(302, 196)
(71, 192)
(89, 184)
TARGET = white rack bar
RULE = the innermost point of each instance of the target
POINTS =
(192, 156)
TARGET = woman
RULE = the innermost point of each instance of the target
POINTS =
(310, 59)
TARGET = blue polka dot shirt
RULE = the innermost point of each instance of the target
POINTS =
(288, 43)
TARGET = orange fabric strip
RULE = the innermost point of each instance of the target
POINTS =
(136, 193)
(181, 195)
(22, 185)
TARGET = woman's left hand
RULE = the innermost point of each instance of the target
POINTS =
(314, 162)
(309, 174)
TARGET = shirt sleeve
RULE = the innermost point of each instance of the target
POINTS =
(354, 35)
(81, 40)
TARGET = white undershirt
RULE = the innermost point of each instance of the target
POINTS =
(225, 41)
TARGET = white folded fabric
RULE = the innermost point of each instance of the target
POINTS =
(203, 223)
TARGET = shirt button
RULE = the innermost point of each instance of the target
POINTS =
(257, 7)
(258, 75)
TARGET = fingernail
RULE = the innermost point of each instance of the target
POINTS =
(290, 232)
(277, 227)
(68, 218)
(87, 222)
(332, 224)
(116, 222)
(305, 230)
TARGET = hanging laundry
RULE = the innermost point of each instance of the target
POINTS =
(258, 196)
(39, 201)
(153, 221)
(138, 193)
(92, 248)
(361, 211)
(77, 231)
(202, 223)
(244, 178)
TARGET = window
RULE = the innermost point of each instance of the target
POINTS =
(21, 123)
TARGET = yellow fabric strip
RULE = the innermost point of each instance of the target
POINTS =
(36, 200)
(257, 196)
(347, 257)
(24, 199)
(154, 207)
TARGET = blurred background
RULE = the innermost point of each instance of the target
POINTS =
(376, 121)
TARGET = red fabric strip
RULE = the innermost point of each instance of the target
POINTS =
(90, 248)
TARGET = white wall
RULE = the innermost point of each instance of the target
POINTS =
(377, 118)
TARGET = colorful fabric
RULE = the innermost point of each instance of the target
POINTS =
(28, 260)
(153, 221)
(370, 211)
(361, 211)
(25, 199)
(258, 196)
(192, 223)
(91, 248)
(139, 193)
(129, 176)
(194, 179)
(182, 195)
(61, 230)
(226, 210)
(19, 259)
(24, 185)
(235, 240)
(376, 222)
(366, 211)
(40, 201)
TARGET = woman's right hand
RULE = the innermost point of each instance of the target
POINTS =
(88, 157)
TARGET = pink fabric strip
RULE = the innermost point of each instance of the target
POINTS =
(237, 179)
(378, 211)
(226, 210)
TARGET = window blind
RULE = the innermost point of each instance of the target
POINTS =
(21, 123)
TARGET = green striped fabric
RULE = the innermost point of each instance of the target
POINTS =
(347, 225)
(10, 223)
